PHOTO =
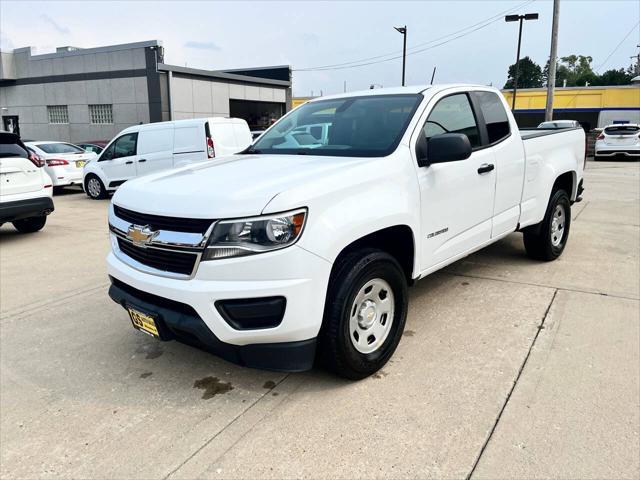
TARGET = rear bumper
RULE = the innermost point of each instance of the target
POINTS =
(61, 176)
(31, 207)
(611, 151)
(178, 321)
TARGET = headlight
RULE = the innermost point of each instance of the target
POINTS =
(248, 236)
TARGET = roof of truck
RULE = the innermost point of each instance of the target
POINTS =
(398, 90)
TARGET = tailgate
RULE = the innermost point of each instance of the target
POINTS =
(19, 175)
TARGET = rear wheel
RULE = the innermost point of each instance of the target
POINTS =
(30, 225)
(546, 241)
(365, 313)
(95, 188)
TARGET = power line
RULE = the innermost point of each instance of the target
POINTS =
(617, 47)
(416, 48)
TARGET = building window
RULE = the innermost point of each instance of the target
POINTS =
(58, 113)
(102, 113)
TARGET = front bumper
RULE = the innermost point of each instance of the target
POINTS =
(26, 208)
(178, 321)
(293, 273)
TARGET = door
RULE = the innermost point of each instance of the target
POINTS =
(508, 151)
(118, 160)
(155, 150)
(456, 197)
(11, 124)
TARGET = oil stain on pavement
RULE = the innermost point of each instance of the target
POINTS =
(212, 386)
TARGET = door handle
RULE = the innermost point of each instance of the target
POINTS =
(129, 162)
(142, 160)
(485, 168)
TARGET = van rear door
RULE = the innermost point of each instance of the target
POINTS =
(230, 135)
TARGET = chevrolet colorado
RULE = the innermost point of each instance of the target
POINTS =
(302, 246)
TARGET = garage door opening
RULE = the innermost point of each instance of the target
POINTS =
(259, 115)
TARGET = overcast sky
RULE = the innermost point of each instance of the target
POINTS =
(219, 35)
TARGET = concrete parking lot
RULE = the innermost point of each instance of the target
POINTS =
(508, 368)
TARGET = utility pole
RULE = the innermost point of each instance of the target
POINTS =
(551, 77)
(520, 18)
(403, 31)
(345, 86)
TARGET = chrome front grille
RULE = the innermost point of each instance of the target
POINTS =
(158, 222)
(174, 250)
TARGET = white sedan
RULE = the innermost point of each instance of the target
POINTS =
(623, 140)
(62, 161)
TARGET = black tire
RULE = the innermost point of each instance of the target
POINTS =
(30, 225)
(97, 193)
(596, 158)
(538, 240)
(336, 351)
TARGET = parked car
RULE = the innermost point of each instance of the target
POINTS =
(618, 140)
(95, 146)
(25, 188)
(560, 124)
(144, 149)
(287, 250)
(63, 161)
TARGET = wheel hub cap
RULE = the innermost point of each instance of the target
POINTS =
(557, 225)
(371, 316)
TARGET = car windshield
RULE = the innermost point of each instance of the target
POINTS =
(367, 126)
(59, 148)
(622, 130)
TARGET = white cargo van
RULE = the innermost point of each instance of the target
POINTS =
(152, 147)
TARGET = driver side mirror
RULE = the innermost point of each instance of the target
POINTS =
(446, 147)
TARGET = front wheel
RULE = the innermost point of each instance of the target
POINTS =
(95, 188)
(546, 240)
(30, 225)
(365, 313)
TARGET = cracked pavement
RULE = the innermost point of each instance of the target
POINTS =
(508, 368)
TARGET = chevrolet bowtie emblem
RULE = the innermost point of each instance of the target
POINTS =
(141, 235)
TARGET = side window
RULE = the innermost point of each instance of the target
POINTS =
(494, 115)
(107, 154)
(125, 146)
(453, 114)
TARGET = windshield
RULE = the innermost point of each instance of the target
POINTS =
(368, 126)
(59, 148)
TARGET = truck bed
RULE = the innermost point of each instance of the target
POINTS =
(528, 133)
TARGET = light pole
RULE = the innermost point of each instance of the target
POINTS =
(515, 18)
(403, 31)
(551, 75)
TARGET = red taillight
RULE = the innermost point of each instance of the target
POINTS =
(48, 186)
(56, 162)
(211, 152)
(36, 160)
(600, 137)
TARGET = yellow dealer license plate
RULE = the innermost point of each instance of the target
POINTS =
(143, 322)
(80, 163)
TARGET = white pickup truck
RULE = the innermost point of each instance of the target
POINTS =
(302, 247)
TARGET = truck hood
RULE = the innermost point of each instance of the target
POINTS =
(227, 187)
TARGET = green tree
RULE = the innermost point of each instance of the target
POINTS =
(529, 74)
(575, 69)
(614, 77)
